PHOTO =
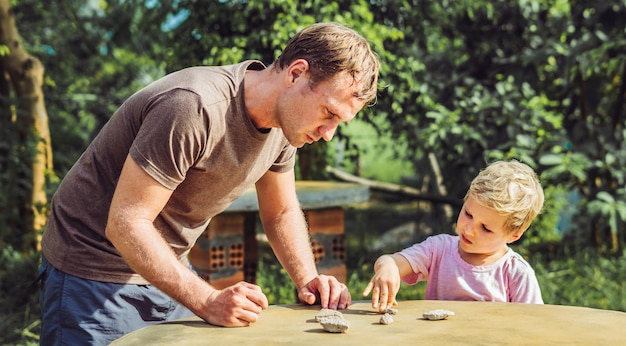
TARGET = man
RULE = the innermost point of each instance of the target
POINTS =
(173, 156)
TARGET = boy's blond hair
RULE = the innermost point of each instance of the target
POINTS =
(511, 188)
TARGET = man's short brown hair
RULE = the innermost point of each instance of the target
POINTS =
(330, 49)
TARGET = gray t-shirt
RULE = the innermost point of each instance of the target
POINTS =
(189, 131)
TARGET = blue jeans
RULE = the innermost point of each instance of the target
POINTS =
(77, 311)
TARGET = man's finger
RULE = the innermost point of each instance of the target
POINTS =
(323, 288)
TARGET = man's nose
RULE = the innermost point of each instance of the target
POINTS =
(328, 132)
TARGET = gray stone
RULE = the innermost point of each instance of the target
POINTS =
(391, 311)
(438, 314)
(327, 313)
(386, 319)
(335, 324)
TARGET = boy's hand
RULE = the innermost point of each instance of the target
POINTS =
(385, 284)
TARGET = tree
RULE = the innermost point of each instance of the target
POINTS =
(465, 82)
(27, 153)
(462, 82)
(537, 80)
(225, 32)
(25, 163)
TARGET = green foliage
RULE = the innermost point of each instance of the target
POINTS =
(19, 308)
(610, 213)
(539, 81)
(4, 50)
(583, 279)
(274, 281)
(360, 277)
(96, 54)
(468, 81)
(15, 171)
(545, 228)
(360, 149)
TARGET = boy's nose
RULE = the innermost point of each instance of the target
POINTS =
(470, 228)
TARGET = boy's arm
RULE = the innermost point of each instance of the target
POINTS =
(388, 271)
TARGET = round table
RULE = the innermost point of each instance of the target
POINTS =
(474, 323)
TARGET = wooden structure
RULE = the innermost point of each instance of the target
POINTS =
(227, 252)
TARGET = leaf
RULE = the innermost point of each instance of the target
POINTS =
(620, 207)
(606, 197)
(551, 159)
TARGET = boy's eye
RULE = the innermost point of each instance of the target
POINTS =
(468, 214)
(486, 229)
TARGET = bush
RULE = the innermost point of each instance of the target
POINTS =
(583, 279)
(19, 302)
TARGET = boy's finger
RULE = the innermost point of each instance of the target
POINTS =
(368, 289)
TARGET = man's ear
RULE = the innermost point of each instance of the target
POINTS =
(298, 68)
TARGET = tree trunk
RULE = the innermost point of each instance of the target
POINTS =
(24, 74)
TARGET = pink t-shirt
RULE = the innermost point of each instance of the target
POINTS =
(437, 260)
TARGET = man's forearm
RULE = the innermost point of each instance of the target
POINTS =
(150, 256)
(290, 240)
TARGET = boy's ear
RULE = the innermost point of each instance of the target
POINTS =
(514, 236)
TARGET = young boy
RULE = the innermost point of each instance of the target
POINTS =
(477, 264)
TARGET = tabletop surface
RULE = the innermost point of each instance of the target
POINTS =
(473, 323)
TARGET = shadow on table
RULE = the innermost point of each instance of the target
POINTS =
(191, 323)
(361, 312)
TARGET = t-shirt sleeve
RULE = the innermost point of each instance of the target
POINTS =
(172, 136)
(420, 257)
(523, 284)
(286, 160)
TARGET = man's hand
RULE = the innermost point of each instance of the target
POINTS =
(238, 305)
(326, 290)
(385, 284)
